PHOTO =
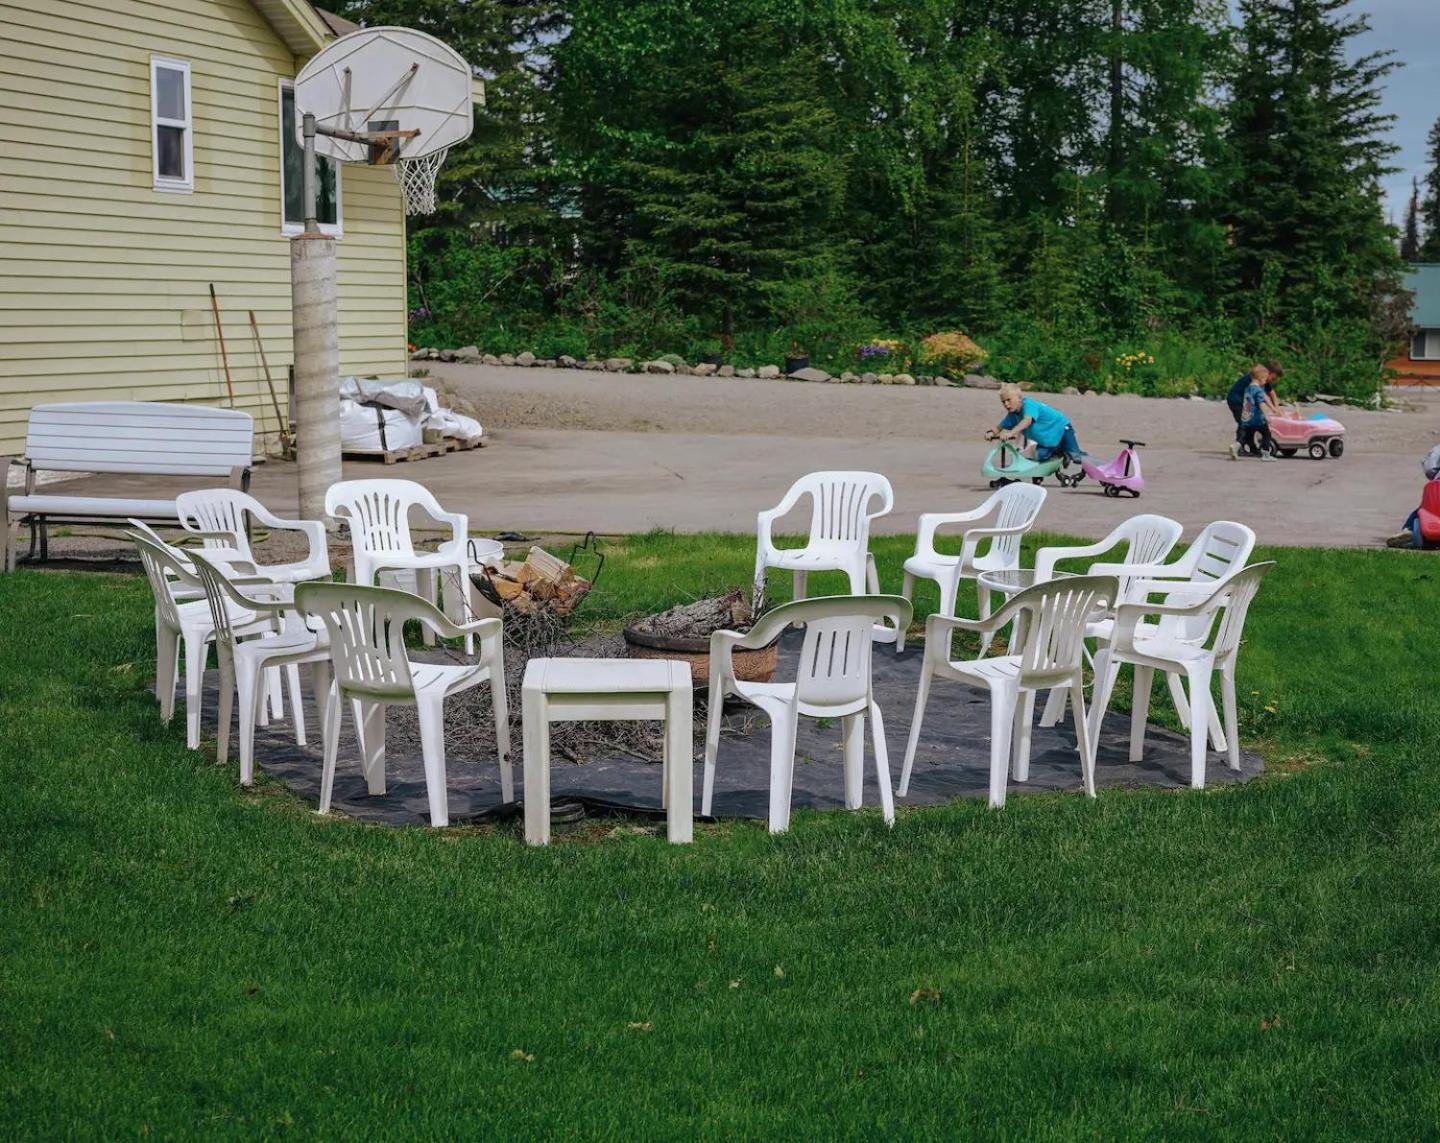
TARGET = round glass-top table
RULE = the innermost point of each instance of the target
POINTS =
(1016, 581)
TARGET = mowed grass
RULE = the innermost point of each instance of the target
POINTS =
(179, 957)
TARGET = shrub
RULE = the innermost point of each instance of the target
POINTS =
(951, 352)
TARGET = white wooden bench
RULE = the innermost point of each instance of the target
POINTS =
(143, 437)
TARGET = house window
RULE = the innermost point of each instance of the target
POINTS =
(1425, 345)
(171, 133)
(292, 176)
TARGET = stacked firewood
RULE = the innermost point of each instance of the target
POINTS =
(541, 582)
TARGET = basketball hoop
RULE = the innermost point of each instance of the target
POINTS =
(417, 180)
(391, 97)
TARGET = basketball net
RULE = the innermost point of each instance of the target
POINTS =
(417, 180)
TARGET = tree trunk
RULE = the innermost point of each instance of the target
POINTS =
(317, 369)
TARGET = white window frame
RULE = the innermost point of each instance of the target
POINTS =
(166, 182)
(1429, 336)
(335, 229)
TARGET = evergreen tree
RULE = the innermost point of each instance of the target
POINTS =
(1410, 234)
(1308, 149)
(1429, 248)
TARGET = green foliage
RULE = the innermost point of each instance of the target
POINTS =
(1069, 181)
(1428, 249)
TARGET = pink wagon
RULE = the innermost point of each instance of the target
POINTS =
(1319, 434)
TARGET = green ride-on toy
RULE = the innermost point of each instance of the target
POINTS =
(1006, 464)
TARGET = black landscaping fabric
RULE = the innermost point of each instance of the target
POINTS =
(952, 761)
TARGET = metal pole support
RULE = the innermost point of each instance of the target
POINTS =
(312, 224)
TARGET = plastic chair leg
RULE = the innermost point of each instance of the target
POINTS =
(1054, 709)
(922, 696)
(196, 650)
(907, 589)
(715, 704)
(1024, 717)
(1232, 717)
(370, 732)
(852, 730)
(982, 599)
(331, 733)
(297, 707)
(432, 746)
(800, 581)
(167, 669)
(1177, 696)
(882, 764)
(248, 683)
(1082, 738)
(227, 704)
(1140, 711)
(783, 727)
(425, 589)
(1003, 701)
(1199, 675)
(502, 725)
(275, 692)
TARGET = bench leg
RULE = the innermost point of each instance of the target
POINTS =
(680, 766)
(536, 750)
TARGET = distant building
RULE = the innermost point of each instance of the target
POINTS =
(1420, 364)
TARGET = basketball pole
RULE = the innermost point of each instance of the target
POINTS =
(317, 349)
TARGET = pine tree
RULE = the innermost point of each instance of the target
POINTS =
(1307, 140)
(1410, 234)
(1429, 248)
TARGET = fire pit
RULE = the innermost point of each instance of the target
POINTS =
(684, 633)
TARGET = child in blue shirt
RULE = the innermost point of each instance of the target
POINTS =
(1049, 430)
(1256, 402)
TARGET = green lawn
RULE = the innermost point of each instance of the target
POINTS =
(179, 958)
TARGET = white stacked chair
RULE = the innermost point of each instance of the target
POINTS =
(244, 662)
(218, 517)
(841, 513)
(1147, 540)
(832, 681)
(1047, 651)
(1187, 642)
(373, 670)
(377, 514)
(1013, 508)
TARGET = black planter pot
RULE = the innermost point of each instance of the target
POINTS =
(795, 363)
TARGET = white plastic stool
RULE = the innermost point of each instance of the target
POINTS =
(571, 690)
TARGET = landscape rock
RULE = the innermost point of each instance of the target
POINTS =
(617, 364)
(507, 359)
(704, 369)
(744, 373)
(565, 361)
(447, 355)
(593, 366)
(887, 378)
(682, 368)
(870, 378)
(546, 363)
(848, 378)
(902, 379)
(658, 366)
(979, 381)
(469, 354)
(768, 371)
(490, 359)
(726, 371)
(810, 374)
(1070, 391)
(527, 359)
(420, 355)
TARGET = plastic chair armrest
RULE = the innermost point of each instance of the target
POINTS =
(445, 627)
(1047, 558)
(931, 522)
(1148, 571)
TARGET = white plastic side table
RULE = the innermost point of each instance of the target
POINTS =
(571, 690)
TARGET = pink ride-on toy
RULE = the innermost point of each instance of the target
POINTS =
(1319, 434)
(1121, 474)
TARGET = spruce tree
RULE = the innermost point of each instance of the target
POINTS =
(1410, 233)
(1429, 248)
(1308, 148)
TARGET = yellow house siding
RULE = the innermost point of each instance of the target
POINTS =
(104, 281)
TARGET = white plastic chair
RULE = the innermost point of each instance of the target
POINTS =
(188, 621)
(1014, 509)
(839, 530)
(244, 662)
(1221, 549)
(366, 628)
(833, 681)
(1147, 539)
(377, 513)
(1174, 649)
(1047, 651)
(217, 516)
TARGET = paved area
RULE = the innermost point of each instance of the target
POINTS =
(571, 451)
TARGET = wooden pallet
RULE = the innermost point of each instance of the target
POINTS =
(418, 452)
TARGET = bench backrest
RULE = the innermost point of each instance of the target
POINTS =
(139, 436)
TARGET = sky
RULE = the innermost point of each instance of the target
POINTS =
(1412, 93)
